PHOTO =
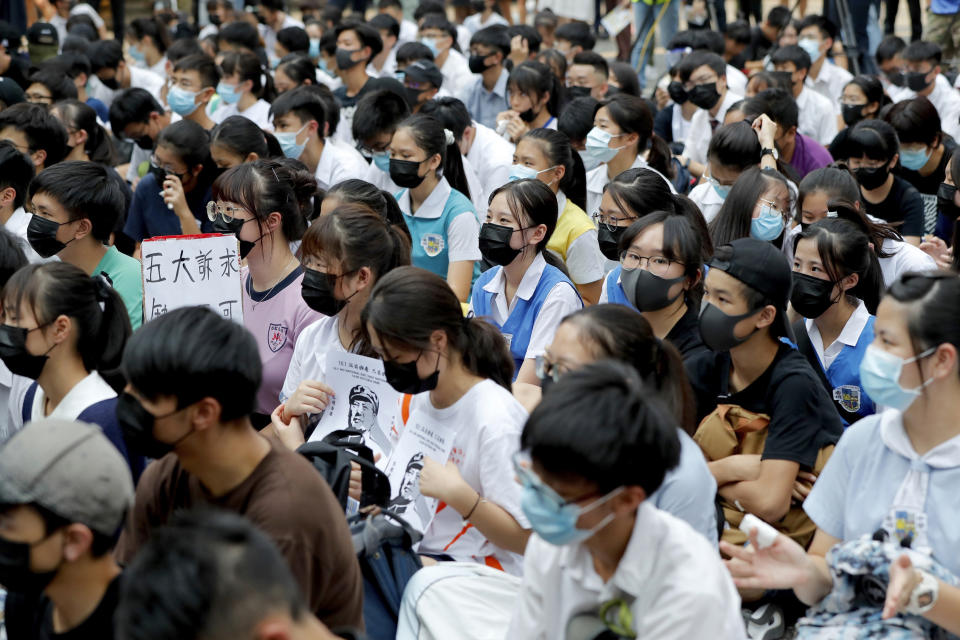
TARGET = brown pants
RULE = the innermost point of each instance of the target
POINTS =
(945, 31)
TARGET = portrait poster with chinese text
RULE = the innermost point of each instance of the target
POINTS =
(186, 271)
(363, 402)
(420, 438)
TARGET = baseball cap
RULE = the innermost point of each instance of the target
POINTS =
(69, 468)
(9, 37)
(43, 41)
(424, 71)
(762, 267)
(10, 93)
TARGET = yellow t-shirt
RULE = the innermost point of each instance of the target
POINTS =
(572, 223)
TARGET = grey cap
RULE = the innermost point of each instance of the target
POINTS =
(424, 71)
(69, 468)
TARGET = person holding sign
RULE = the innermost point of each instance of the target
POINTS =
(460, 372)
(272, 195)
(343, 254)
(523, 296)
(56, 333)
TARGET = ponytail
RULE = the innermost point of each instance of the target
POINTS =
(430, 135)
(659, 157)
(483, 350)
(558, 150)
(453, 169)
(356, 191)
(106, 353)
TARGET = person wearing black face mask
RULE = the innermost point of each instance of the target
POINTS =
(65, 492)
(463, 369)
(530, 90)
(837, 285)
(744, 315)
(524, 296)
(486, 95)
(421, 81)
(588, 75)
(923, 78)
(704, 78)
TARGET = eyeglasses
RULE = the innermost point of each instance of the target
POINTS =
(227, 213)
(530, 480)
(713, 181)
(38, 98)
(547, 369)
(610, 223)
(657, 265)
(774, 206)
(168, 170)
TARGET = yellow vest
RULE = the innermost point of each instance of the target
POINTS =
(571, 224)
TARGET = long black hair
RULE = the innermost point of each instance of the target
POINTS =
(242, 137)
(632, 115)
(356, 191)
(558, 150)
(682, 242)
(429, 134)
(78, 115)
(733, 219)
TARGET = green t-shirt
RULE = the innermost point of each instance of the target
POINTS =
(124, 272)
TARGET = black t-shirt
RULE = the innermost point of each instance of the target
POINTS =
(928, 185)
(759, 46)
(802, 417)
(663, 123)
(685, 335)
(31, 617)
(373, 84)
(18, 71)
(902, 208)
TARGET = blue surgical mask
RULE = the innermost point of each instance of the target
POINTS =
(880, 377)
(598, 147)
(812, 47)
(382, 161)
(137, 55)
(768, 225)
(520, 172)
(556, 521)
(288, 142)
(914, 160)
(722, 190)
(228, 93)
(431, 43)
(322, 65)
(314, 51)
(589, 161)
(181, 101)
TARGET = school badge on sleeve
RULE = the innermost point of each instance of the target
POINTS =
(848, 396)
(276, 336)
(432, 244)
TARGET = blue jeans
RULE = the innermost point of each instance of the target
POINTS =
(644, 16)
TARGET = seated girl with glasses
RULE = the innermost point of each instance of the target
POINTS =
(759, 205)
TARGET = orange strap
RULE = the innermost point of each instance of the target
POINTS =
(491, 561)
(405, 407)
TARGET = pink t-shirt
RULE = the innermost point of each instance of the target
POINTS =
(275, 320)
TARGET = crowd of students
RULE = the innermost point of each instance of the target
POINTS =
(647, 318)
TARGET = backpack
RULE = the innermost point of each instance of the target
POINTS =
(384, 545)
(332, 457)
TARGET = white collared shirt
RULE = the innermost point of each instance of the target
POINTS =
(389, 66)
(679, 126)
(84, 394)
(309, 361)
(597, 179)
(17, 225)
(478, 194)
(258, 113)
(830, 82)
(270, 36)
(408, 32)
(562, 300)
(463, 231)
(698, 137)
(585, 263)
(456, 72)
(817, 116)
(338, 162)
(670, 577)
(736, 81)
(492, 156)
(160, 68)
(849, 336)
(947, 101)
(707, 198)
(380, 179)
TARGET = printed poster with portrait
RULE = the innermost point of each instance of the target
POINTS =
(363, 402)
(419, 440)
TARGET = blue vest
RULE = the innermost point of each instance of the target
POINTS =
(615, 294)
(430, 235)
(519, 324)
(844, 375)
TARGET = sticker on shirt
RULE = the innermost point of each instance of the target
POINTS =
(907, 527)
(508, 337)
(432, 244)
(276, 336)
(848, 396)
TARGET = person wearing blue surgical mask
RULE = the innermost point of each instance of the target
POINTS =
(586, 494)
(733, 149)
(759, 205)
(241, 89)
(193, 83)
(622, 138)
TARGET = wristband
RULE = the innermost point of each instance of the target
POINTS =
(924, 595)
(473, 508)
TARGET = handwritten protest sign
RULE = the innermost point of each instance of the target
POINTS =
(363, 402)
(421, 438)
(184, 271)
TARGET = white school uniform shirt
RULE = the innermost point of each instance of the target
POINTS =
(389, 66)
(736, 81)
(463, 233)
(679, 126)
(160, 68)
(408, 31)
(478, 195)
(473, 23)
(947, 101)
(309, 361)
(270, 36)
(258, 113)
(463, 37)
(84, 394)
(671, 578)
(488, 421)
(830, 82)
(905, 258)
(456, 72)
(492, 156)
(6, 384)
(597, 179)
(698, 137)
(337, 163)
(60, 24)
(707, 198)
(562, 300)
(381, 180)
(332, 82)
(139, 79)
(817, 116)
(17, 225)
(849, 335)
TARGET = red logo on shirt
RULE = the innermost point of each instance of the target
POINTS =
(276, 336)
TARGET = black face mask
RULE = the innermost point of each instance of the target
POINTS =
(136, 424)
(406, 173)
(158, 173)
(610, 241)
(852, 113)
(145, 143)
(317, 291)
(214, 19)
(578, 92)
(917, 80)
(412, 95)
(344, 59)
(477, 64)
(232, 228)
(15, 573)
(646, 291)
(810, 296)
(873, 178)
(945, 200)
(705, 95)
(42, 236)
(896, 78)
(677, 93)
(716, 328)
(13, 352)
(111, 83)
(528, 115)
(495, 243)
(405, 379)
